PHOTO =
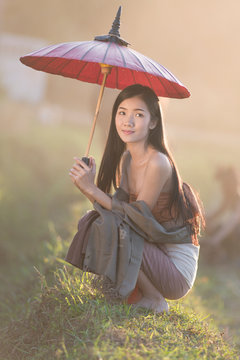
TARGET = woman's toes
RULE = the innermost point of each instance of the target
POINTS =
(144, 302)
(162, 307)
(158, 306)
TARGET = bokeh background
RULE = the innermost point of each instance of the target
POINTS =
(45, 119)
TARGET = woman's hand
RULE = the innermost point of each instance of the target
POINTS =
(82, 175)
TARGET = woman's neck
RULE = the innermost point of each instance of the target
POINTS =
(139, 154)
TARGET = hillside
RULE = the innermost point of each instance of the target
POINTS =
(68, 318)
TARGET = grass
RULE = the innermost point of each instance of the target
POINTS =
(72, 320)
(68, 317)
(218, 287)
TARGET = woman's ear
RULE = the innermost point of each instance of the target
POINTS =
(153, 124)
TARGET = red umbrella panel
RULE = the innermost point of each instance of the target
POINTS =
(106, 61)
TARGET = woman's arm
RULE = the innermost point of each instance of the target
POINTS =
(83, 177)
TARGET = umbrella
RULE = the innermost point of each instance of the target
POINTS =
(107, 61)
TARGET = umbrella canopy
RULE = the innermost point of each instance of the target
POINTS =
(107, 61)
(81, 60)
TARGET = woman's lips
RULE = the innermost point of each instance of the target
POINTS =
(127, 132)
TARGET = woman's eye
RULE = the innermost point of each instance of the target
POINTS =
(121, 113)
(139, 115)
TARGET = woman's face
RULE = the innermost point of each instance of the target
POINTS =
(133, 120)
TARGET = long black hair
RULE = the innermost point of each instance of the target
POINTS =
(183, 201)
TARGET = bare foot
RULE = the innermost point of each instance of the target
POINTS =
(158, 305)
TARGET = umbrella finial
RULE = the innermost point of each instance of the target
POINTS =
(116, 24)
(114, 35)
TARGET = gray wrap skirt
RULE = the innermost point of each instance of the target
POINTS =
(163, 274)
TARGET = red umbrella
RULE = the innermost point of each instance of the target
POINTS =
(107, 61)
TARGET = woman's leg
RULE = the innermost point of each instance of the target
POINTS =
(159, 279)
(152, 299)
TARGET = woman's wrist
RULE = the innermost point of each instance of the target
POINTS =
(98, 195)
(90, 190)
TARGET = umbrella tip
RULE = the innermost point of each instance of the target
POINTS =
(114, 34)
(116, 23)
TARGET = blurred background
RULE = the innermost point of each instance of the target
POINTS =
(45, 119)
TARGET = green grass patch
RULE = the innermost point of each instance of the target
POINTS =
(72, 320)
(218, 287)
(69, 317)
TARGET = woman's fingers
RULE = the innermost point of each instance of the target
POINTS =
(81, 163)
(74, 172)
(73, 178)
(93, 164)
(81, 174)
(77, 167)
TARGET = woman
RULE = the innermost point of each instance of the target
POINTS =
(136, 159)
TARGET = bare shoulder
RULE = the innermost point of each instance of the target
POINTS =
(157, 178)
(159, 162)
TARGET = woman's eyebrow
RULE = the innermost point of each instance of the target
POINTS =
(121, 107)
(139, 110)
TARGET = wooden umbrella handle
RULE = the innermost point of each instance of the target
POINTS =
(106, 69)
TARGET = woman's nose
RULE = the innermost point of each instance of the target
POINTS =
(129, 121)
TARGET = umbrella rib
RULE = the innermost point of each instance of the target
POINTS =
(158, 70)
(133, 76)
(145, 74)
(138, 60)
(149, 81)
(176, 80)
(176, 88)
(52, 58)
(170, 82)
(81, 44)
(98, 76)
(158, 77)
(84, 65)
(108, 47)
(153, 64)
(37, 58)
(117, 78)
(66, 51)
(121, 53)
(162, 84)
(70, 50)
(64, 64)
(50, 46)
(51, 61)
(94, 46)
